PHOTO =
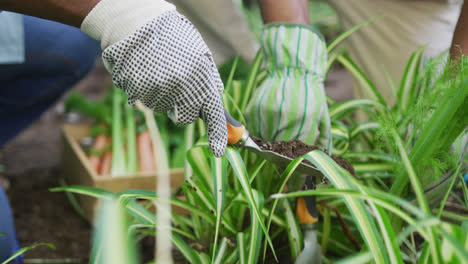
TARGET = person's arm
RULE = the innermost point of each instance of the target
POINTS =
(70, 12)
(291, 11)
(460, 37)
(153, 53)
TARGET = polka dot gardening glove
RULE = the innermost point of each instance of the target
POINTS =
(290, 103)
(158, 57)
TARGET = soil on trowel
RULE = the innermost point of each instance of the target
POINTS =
(297, 148)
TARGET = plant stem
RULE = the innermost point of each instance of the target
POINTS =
(132, 153)
(118, 153)
(163, 239)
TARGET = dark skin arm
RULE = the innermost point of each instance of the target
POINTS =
(70, 12)
(297, 11)
(460, 37)
(291, 11)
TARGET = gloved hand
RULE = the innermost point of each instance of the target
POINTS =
(291, 103)
(158, 57)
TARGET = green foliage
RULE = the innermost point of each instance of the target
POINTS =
(100, 111)
(114, 241)
(118, 152)
(239, 211)
(24, 250)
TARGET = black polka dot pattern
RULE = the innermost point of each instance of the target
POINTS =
(169, 68)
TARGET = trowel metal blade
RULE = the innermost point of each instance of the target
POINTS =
(280, 160)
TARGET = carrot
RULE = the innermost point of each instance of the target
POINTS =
(145, 152)
(106, 164)
(100, 143)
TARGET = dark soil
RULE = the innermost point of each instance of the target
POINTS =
(44, 216)
(454, 206)
(297, 148)
(47, 217)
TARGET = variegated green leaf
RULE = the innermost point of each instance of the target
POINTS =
(341, 179)
(241, 248)
(455, 243)
(332, 45)
(366, 84)
(296, 240)
(219, 170)
(342, 109)
(251, 80)
(255, 230)
(89, 191)
(113, 242)
(24, 250)
(363, 127)
(183, 248)
(408, 89)
(239, 169)
(198, 158)
(221, 252)
(340, 137)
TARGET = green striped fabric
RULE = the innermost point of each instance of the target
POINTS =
(291, 103)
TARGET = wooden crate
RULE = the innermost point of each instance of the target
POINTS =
(77, 171)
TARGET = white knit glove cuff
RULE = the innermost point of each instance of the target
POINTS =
(111, 21)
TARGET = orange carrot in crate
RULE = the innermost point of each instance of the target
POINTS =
(96, 152)
(145, 152)
(106, 164)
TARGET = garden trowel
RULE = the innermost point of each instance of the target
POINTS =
(238, 136)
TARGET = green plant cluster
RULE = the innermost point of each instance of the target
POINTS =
(241, 209)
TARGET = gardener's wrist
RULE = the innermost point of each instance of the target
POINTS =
(292, 11)
(111, 21)
(288, 45)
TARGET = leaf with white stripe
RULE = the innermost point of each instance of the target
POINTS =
(366, 84)
(340, 138)
(408, 89)
(251, 79)
(24, 250)
(89, 191)
(348, 33)
(363, 127)
(241, 248)
(255, 230)
(219, 171)
(341, 110)
(221, 252)
(239, 169)
(296, 240)
(183, 248)
(341, 179)
(198, 158)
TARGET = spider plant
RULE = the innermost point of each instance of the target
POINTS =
(240, 210)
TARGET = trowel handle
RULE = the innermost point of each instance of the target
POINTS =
(235, 129)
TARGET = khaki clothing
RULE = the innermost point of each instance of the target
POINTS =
(383, 45)
(223, 27)
(387, 44)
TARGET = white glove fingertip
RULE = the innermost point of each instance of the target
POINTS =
(215, 121)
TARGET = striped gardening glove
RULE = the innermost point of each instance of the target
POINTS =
(158, 57)
(291, 103)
